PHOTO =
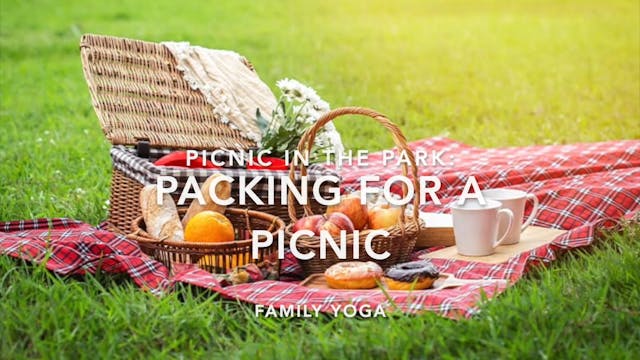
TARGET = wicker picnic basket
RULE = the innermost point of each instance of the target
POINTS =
(402, 237)
(146, 110)
(215, 257)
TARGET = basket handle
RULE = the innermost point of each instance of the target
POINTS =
(306, 142)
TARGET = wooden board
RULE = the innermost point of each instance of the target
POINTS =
(318, 281)
(435, 236)
(444, 281)
(438, 231)
(530, 239)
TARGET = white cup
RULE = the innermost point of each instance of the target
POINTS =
(514, 200)
(475, 226)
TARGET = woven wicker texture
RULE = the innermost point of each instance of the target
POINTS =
(139, 94)
(124, 202)
(402, 237)
(218, 257)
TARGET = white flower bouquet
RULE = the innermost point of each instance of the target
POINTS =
(298, 108)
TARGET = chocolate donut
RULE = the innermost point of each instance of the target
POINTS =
(415, 275)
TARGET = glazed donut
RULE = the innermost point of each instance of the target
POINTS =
(353, 275)
(416, 275)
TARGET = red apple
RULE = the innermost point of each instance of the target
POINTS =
(309, 223)
(384, 216)
(335, 223)
(350, 205)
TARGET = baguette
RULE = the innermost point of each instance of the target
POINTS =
(222, 190)
(162, 221)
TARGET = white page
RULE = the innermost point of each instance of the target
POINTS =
(437, 220)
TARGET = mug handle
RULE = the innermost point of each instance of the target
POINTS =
(534, 211)
(509, 215)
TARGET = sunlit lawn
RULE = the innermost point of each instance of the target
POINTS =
(489, 73)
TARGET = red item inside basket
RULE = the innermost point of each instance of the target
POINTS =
(276, 164)
(179, 159)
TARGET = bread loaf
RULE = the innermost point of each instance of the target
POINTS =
(162, 221)
(222, 190)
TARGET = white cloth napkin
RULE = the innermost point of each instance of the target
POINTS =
(234, 90)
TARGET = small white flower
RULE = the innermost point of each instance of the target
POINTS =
(303, 108)
(330, 127)
(322, 140)
(333, 138)
(321, 106)
(336, 141)
(285, 85)
(299, 109)
(310, 95)
(295, 90)
(306, 112)
(297, 95)
(287, 95)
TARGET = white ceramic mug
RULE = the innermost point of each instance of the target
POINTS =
(514, 200)
(475, 226)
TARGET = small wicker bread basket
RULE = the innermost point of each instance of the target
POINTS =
(402, 237)
(215, 257)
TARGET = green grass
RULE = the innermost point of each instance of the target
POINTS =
(586, 306)
(489, 73)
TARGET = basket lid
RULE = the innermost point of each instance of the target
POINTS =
(139, 95)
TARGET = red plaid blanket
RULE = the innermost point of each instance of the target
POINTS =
(581, 188)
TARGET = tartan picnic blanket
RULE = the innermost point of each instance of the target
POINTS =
(582, 188)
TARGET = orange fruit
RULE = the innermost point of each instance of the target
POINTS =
(209, 226)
